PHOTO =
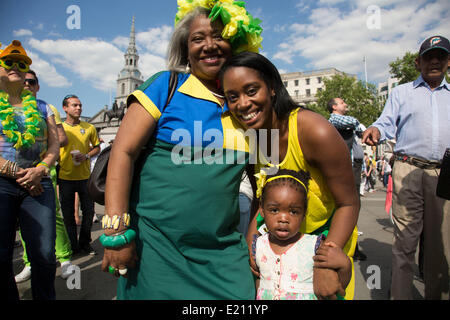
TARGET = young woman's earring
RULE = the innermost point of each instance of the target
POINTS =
(188, 68)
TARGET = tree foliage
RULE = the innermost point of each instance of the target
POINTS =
(363, 103)
(404, 68)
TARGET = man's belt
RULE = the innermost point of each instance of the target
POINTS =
(418, 162)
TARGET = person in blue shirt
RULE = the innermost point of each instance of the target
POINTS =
(417, 115)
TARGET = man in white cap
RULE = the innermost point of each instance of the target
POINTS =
(417, 115)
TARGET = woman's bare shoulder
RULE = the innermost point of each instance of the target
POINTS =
(312, 125)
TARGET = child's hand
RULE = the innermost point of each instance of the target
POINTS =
(329, 255)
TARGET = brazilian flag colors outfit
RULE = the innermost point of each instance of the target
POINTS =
(63, 249)
(321, 204)
(184, 202)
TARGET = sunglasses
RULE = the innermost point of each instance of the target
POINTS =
(9, 64)
(31, 82)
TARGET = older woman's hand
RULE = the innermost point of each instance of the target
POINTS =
(327, 284)
(120, 258)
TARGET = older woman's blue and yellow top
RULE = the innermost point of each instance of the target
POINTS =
(184, 202)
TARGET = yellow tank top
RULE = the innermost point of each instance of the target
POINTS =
(320, 202)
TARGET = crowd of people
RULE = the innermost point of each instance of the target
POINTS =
(221, 225)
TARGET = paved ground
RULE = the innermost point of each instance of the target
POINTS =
(376, 243)
(375, 272)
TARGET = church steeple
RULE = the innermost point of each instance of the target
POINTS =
(131, 56)
(132, 45)
(129, 77)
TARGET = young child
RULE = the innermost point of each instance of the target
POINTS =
(285, 257)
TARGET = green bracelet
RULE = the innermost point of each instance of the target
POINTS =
(119, 240)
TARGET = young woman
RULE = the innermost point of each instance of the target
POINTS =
(258, 99)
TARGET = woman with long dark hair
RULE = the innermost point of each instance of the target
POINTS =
(258, 99)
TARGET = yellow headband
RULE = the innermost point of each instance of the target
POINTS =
(263, 182)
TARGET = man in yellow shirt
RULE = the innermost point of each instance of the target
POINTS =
(74, 172)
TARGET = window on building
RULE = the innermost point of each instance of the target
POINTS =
(307, 81)
(285, 83)
(123, 88)
(319, 79)
(296, 83)
(296, 93)
(308, 92)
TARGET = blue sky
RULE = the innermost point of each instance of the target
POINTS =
(299, 35)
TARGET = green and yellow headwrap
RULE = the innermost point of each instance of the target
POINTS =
(240, 28)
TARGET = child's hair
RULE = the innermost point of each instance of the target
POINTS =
(284, 174)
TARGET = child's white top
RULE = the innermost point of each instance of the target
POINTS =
(288, 276)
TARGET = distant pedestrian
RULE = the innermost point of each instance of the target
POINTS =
(386, 171)
(350, 129)
(370, 174)
(416, 114)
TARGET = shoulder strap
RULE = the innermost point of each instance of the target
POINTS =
(173, 81)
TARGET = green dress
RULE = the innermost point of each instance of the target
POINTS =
(184, 202)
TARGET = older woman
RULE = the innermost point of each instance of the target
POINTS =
(28, 148)
(183, 203)
(258, 99)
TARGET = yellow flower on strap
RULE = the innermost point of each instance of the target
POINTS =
(260, 182)
(261, 178)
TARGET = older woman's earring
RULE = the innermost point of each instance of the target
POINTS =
(188, 68)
